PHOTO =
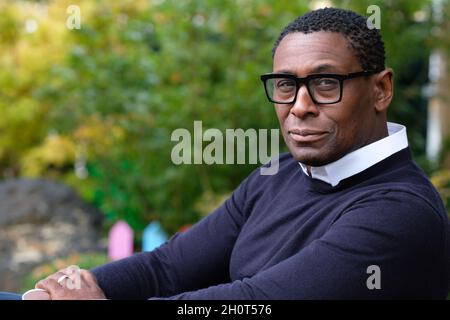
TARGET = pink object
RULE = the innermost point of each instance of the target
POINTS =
(185, 228)
(120, 243)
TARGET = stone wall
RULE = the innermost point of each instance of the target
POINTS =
(41, 220)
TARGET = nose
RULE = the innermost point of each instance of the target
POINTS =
(304, 106)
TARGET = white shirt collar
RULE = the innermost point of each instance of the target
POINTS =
(362, 158)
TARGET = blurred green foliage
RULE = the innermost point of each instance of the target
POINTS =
(406, 30)
(108, 96)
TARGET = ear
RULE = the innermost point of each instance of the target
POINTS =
(383, 89)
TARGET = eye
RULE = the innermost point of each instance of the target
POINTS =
(326, 83)
(285, 84)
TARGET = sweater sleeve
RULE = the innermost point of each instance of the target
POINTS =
(191, 260)
(401, 236)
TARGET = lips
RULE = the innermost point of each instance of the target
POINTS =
(306, 135)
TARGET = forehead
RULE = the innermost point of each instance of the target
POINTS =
(322, 51)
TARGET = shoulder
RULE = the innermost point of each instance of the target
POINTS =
(276, 168)
(403, 214)
(403, 199)
(403, 188)
(411, 186)
(272, 175)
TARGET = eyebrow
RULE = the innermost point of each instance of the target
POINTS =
(319, 69)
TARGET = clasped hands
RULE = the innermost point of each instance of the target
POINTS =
(71, 283)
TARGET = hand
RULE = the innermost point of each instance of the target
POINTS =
(71, 284)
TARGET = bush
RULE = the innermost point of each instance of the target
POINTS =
(113, 91)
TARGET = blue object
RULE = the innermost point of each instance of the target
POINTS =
(10, 296)
(154, 236)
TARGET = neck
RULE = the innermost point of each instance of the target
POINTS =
(378, 134)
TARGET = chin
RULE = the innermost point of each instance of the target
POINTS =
(311, 156)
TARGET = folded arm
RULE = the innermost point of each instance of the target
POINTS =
(404, 241)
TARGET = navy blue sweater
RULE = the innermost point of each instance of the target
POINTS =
(288, 236)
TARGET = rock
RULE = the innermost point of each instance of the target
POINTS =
(41, 220)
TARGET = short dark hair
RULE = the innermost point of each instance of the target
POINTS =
(366, 43)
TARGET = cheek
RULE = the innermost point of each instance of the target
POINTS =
(345, 131)
(282, 114)
(344, 121)
(348, 134)
(357, 119)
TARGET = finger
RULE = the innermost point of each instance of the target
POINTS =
(60, 278)
(71, 270)
(56, 276)
(74, 273)
(88, 277)
(51, 286)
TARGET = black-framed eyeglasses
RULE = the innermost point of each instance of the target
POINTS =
(323, 88)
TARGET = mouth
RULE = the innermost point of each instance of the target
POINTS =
(306, 135)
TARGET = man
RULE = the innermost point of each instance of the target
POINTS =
(348, 215)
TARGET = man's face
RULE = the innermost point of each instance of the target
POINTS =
(320, 134)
